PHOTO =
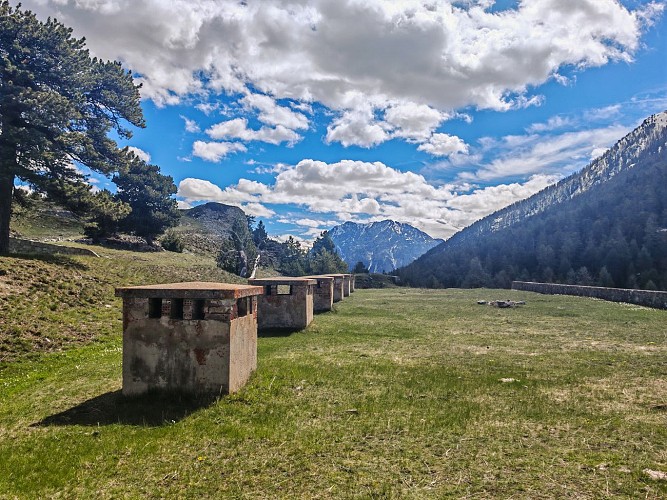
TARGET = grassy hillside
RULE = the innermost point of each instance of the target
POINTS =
(196, 238)
(201, 230)
(45, 220)
(399, 393)
(49, 303)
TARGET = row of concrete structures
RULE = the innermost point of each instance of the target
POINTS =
(201, 337)
(291, 302)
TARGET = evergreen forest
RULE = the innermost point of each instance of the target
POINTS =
(613, 235)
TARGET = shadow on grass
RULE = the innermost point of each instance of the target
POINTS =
(277, 332)
(58, 259)
(152, 409)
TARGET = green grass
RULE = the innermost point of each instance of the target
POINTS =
(397, 393)
(45, 220)
(48, 303)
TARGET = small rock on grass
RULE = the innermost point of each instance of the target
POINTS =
(502, 304)
(656, 475)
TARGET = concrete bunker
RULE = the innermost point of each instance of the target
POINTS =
(347, 285)
(323, 297)
(193, 337)
(339, 285)
(286, 302)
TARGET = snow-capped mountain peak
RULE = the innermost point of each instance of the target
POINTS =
(381, 246)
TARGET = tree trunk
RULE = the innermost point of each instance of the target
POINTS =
(7, 174)
(8, 164)
(6, 195)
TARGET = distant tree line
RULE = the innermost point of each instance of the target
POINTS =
(614, 235)
(360, 268)
(239, 253)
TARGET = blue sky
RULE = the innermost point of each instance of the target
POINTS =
(309, 114)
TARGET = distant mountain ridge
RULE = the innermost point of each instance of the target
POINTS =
(382, 246)
(216, 217)
(605, 225)
(636, 147)
(205, 227)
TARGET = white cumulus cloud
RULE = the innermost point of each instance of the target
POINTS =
(238, 129)
(141, 154)
(272, 114)
(443, 145)
(350, 190)
(357, 127)
(442, 54)
(215, 151)
(190, 125)
(412, 121)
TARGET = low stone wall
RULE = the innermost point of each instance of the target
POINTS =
(35, 247)
(646, 298)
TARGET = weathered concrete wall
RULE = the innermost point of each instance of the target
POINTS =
(161, 353)
(197, 345)
(242, 350)
(347, 284)
(286, 302)
(353, 283)
(290, 311)
(646, 298)
(20, 246)
(339, 285)
(323, 293)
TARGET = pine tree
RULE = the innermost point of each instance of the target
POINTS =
(360, 268)
(238, 252)
(477, 277)
(293, 258)
(323, 257)
(172, 242)
(324, 242)
(583, 277)
(105, 215)
(57, 105)
(148, 193)
(605, 279)
(259, 235)
(250, 220)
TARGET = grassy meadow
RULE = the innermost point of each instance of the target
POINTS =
(398, 393)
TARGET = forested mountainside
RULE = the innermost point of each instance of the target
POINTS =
(381, 246)
(605, 225)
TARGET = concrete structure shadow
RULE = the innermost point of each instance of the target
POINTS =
(277, 332)
(153, 409)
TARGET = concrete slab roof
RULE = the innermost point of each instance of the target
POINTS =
(321, 277)
(283, 280)
(190, 290)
